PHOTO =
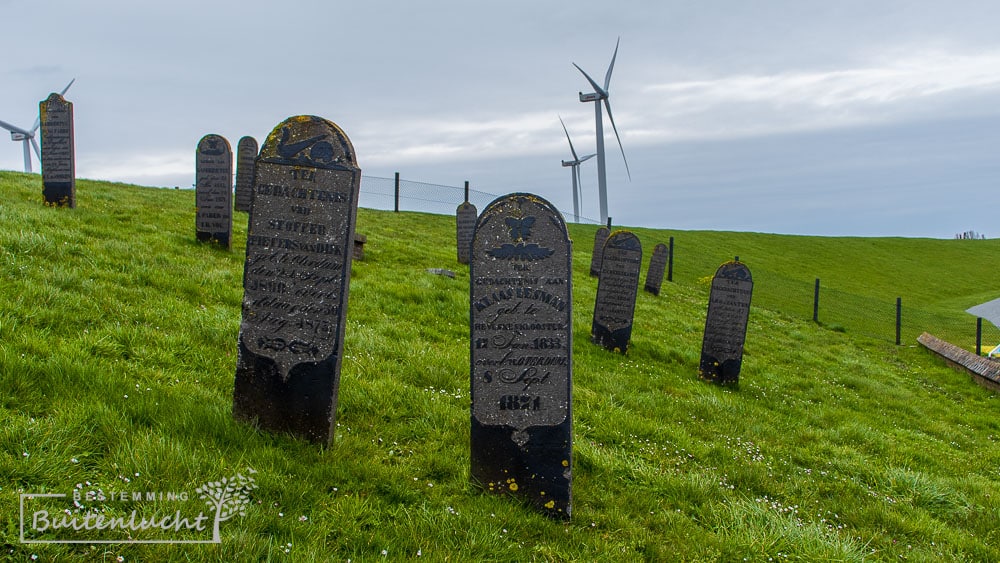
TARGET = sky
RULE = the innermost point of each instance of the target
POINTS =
(846, 118)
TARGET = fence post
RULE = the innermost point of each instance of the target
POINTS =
(899, 316)
(467, 191)
(670, 261)
(397, 193)
(609, 223)
(979, 336)
(816, 302)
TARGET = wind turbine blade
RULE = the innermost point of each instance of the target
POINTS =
(607, 106)
(568, 139)
(13, 128)
(597, 87)
(579, 187)
(38, 123)
(607, 77)
(34, 144)
(67, 87)
(588, 157)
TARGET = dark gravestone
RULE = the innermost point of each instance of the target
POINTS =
(214, 190)
(657, 265)
(616, 291)
(600, 237)
(726, 324)
(296, 279)
(57, 154)
(246, 154)
(521, 353)
(465, 224)
(359, 245)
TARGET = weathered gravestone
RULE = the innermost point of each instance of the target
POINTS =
(296, 279)
(214, 190)
(657, 265)
(726, 324)
(57, 155)
(616, 291)
(246, 154)
(465, 224)
(521, 353)
(600, 237)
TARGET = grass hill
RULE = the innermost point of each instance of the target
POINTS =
(117, 355)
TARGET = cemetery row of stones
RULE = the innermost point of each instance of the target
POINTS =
(301, 191)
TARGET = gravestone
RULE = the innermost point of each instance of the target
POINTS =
(600, 237)
(57, 154)
(657, 265)
(726, 324)
(616, 291)
(521, 353)
(246, 154)
(465, 224)
(296, 279)
(359, 245)
(214, 190)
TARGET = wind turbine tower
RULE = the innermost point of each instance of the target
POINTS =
(575, 168)
(27, 136)
(601, 94)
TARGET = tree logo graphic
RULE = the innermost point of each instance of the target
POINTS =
(227, 497)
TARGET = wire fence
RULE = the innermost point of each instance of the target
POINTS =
(395, 194)
(895, 320)
(900, 320)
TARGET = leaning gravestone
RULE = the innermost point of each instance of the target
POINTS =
(616, 291)
(726, 324)
(214, 190)
(600, 237)
(246, 153)
(657, 265)
(465, 224)
(57, 155)
(521, 353)
(296, 279)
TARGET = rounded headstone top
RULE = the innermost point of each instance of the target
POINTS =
(519, 200)
(307, 140)
(734, 270)
(212, 144)
(56, 97)
(623, 239)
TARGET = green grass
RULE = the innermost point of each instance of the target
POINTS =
(117, 357)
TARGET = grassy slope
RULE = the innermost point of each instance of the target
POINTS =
(117, 343)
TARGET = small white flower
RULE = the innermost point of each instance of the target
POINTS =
(303, 518)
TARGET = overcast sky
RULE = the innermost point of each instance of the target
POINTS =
(868, 118)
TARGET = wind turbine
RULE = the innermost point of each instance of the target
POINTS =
(27, 137)
(597, 96)
(577, 183)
